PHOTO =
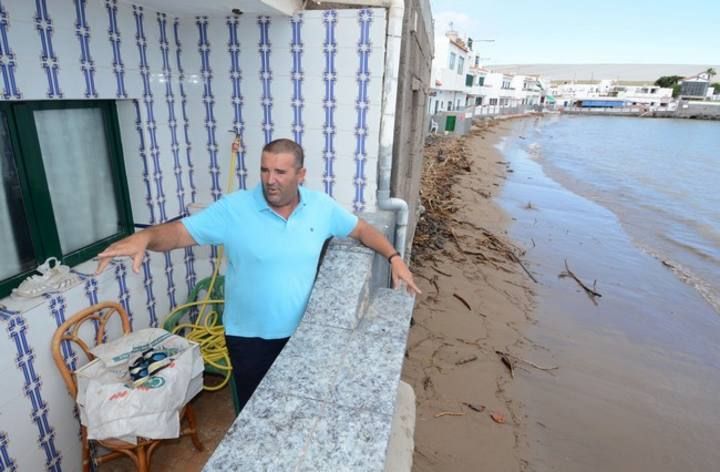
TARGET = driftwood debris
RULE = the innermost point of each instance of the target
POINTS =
(508, 358)
(464, 302)
(508, 363)
(517, 259)
(449, 413)
(591, 293)
(441, 272)
(445, 159)
(479, 409)
(466, 360)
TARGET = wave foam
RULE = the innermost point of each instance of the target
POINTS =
(688, 277)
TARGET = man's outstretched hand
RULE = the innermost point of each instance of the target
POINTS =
(133, 246)
(402, 275)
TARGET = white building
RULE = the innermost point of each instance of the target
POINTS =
(571, 92)
(697, 87)
(449, 71)
(459, 81)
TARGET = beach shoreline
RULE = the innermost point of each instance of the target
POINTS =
(469, 323)
(624, 382)
(637, 368)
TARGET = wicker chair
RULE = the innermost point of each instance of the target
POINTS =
(141, 452)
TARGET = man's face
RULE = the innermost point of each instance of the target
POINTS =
(280, 178)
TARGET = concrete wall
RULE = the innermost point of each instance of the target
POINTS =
(705, 110)
(411, 117)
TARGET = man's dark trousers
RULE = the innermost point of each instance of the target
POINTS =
(251, 359)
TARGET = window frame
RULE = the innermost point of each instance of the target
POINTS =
(461, 65)
(37, 202)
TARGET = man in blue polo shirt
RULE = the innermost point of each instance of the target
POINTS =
(273, 236)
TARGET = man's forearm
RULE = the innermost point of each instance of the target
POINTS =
(156, 238)
(374, 239)
(166, 236)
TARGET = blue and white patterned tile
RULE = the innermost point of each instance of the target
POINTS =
(30, 78)
(254, 141)
(26, 360)
(313, 57)
(12, 379)
(22, 439)
(20, 10)
(377, 27)
(348, 29)
(127, 30)
(67, 50)
(283, 130)
(97, 17)
(133, 80)
(159, 104)
(313, 31)
(345, 194)
(105, 83)
(151, 32)
(37, 332)
(67, 433)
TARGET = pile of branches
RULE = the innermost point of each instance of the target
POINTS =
(445, 158)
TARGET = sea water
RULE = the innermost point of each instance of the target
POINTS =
(660, 177)
(632, 206)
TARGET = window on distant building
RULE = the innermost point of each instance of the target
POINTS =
(449, 105)
(451, 63)
(461, 65)
(477, 61)
(481, 81)
(493, 101)
(469, 80)
(63, 191)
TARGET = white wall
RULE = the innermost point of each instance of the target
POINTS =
(323, 88)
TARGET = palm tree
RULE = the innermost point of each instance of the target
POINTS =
(710, 73)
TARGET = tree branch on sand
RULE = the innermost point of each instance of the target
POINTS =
(591, 293)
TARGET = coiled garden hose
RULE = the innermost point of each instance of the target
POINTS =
(210, 337)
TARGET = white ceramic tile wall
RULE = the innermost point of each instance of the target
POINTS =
(37, 428)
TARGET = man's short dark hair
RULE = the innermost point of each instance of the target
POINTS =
(283, 145)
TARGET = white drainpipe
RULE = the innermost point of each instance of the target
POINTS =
(393, 41)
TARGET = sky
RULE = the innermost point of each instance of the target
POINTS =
(581, 31)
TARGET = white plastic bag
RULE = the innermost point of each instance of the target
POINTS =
(110, 407)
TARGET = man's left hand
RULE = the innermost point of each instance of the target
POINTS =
(401, 274)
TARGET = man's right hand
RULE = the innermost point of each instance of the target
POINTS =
(133, 246)
(162, 237)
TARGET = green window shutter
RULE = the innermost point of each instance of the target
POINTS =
(31, 125)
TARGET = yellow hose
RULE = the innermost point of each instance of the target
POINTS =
(211, 338)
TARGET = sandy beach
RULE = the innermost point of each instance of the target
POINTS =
(626, 382)
(476, 302)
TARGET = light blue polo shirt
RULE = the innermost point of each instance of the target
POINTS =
(271, 262)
